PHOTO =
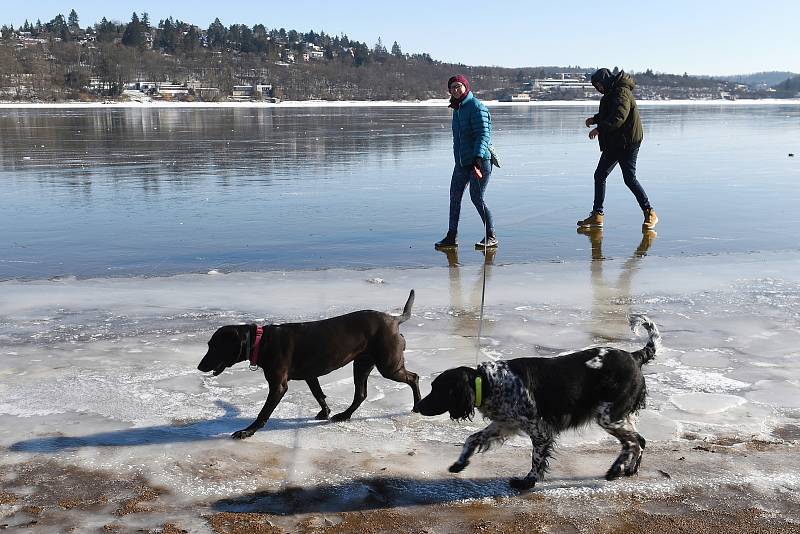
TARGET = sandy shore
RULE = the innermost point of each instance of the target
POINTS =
(682, 487)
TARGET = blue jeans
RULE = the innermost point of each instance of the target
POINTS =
(458, 183)
(627, 162)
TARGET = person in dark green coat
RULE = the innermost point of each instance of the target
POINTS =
(620, 134)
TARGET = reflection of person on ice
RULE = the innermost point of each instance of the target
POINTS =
(620, 131)
(472, 135)
(611, 301)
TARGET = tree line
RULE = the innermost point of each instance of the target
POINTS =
(60, 60)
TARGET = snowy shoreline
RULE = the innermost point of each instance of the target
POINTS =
(354, 104)
(105, 420)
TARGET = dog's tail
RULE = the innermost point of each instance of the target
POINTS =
(648, 352)
(407, 309)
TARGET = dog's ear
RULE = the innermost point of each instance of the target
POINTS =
(462, 393)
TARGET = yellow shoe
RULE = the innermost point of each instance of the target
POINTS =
(650, 219)
(595, 220)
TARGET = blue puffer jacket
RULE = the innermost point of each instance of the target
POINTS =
(472, 131)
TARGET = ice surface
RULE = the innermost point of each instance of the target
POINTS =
(706, 403)
(74, 346)
(102, 372)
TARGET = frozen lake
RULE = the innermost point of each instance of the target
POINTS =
(127, 236)
(152, 191)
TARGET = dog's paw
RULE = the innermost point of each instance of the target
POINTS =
(634, 467)
(614, 472)
(339, 417)
(457, 467)
(522, 484)
(242, 434)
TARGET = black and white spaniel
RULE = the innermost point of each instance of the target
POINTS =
(544, 396)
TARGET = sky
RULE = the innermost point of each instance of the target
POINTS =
(697, 37)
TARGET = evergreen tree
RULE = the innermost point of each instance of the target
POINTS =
(72, 23)
(248, 42)
(58, 27)
(191, 40)
(234, 37)
(379, 49)
(396, 52)
(360, 54)
(106, 31)
(134, 33)
(168, 36)
(217, 35)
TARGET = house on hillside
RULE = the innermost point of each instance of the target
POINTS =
(287, 55)
(251, 92)
(172, 90)
(207, 94)
(142, 86)
(242, 92)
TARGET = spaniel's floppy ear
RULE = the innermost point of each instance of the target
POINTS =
(462, 393)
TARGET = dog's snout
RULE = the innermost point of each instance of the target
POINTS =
(429, 406)
(205, 364)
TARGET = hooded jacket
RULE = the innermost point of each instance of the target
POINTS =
(618, 119)
(472, 131)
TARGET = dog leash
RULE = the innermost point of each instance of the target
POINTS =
(483, 284)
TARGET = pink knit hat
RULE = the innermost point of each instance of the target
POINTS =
(458, 78)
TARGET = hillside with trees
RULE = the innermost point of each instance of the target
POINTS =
(60, 60)
(791, 86)
(761, 79)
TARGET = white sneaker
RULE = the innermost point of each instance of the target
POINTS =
(487, 242)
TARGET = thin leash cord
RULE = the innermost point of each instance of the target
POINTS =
(483, 285)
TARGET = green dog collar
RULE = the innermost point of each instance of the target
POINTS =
(478, 391)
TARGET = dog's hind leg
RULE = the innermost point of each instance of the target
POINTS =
(399, 373)
(362, 366)
(313, 385)
(627, 463)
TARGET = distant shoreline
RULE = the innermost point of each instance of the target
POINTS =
(384, 103)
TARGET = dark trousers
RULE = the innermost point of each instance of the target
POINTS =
(458, 183)
(627, 162)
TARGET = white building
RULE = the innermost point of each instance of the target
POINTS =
(563, 82)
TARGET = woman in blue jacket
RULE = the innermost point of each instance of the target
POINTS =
(472, 135)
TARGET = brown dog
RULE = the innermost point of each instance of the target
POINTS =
(305, 351)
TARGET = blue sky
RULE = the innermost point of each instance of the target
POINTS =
(698, 37)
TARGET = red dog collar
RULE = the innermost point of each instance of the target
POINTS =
(256, 344)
